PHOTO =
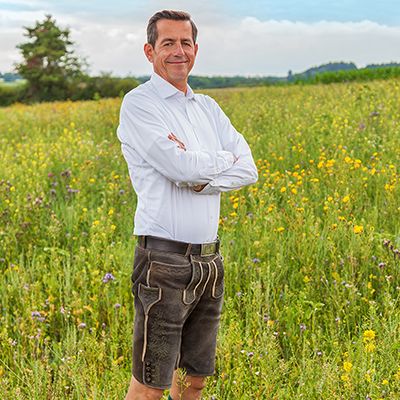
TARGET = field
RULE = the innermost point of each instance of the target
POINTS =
(12, 84)
(311, 250)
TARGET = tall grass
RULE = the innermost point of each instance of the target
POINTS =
(311, 250)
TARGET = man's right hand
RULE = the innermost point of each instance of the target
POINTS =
(198, 188)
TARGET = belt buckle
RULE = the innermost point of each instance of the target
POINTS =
(207, 249)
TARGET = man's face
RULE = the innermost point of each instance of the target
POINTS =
(174, 52)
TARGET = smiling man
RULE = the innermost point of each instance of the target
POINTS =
(182, 152)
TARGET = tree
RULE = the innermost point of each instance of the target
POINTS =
(49, 62)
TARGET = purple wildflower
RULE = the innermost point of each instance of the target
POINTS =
(108, 277)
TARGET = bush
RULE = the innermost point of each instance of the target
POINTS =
(100, 86)
(13, 94)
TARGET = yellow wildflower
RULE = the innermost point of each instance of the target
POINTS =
(369, 335)
(370, 347)
(347, 366)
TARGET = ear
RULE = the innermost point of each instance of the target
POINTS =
(196, 48)
(148, 51)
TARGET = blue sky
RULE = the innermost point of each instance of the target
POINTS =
(249, 37)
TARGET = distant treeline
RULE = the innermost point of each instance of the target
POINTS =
(361, 75)
(9, 77)
(86, 87)
(326, 73)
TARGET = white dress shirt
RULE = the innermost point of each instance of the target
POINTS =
(171, 143)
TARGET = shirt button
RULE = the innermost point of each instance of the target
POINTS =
(211, 217)
(217, 169)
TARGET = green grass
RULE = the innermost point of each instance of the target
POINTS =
(12, 84)
(311, 298)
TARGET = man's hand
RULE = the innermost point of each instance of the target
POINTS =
(198, 188)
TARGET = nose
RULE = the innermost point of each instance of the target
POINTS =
(179, 50)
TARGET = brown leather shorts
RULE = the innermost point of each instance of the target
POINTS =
(178, 303)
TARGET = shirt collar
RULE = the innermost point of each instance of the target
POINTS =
(166, 89)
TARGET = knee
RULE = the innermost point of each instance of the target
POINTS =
(197, 383)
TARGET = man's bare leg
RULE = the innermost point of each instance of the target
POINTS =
(192, 389)
(138, 391)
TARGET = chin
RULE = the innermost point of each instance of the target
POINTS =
(178, 78)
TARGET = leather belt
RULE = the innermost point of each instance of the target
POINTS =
(173, 246)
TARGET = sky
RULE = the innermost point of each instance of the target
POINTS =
(236, 37)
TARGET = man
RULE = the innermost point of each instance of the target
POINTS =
(182, 152)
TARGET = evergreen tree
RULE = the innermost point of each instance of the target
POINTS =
(49, 62)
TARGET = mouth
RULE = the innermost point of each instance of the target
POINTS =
(177, 61)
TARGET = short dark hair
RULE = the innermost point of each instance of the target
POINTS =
(152, 32)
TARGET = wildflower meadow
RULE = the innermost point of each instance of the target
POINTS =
(311, 250)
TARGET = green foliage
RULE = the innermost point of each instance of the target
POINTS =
(49, 63)
(105, 85)
(13, 94)
(325, 74)
(330, 67)
(361, 75)
(84, 88)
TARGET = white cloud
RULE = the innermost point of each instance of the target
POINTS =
(274, 47)
(226, 46)
(132, 37)
(114, 32)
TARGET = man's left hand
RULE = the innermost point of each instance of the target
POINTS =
(199, 188)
